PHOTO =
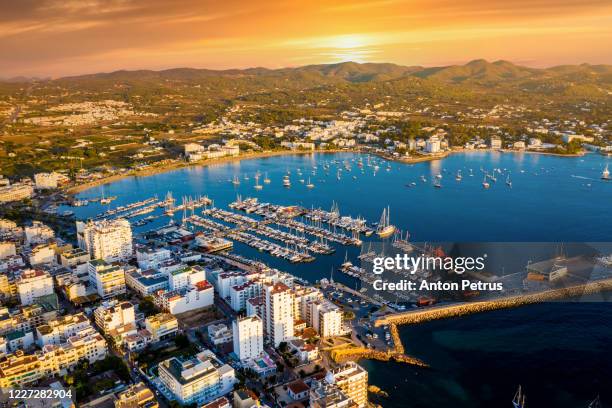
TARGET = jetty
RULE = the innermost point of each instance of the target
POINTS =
(463, 309)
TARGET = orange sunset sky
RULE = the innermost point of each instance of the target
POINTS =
(58, 38)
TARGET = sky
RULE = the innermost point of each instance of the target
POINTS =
(70, 37)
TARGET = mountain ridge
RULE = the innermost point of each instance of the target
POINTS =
(475, 70)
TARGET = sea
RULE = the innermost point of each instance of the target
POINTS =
(559, 352)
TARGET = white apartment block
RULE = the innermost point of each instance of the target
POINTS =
(240, 293)
(326, 318)
(37, 233)
(199, 379)
(32, 284)
(113, 315)
(185, 276)
(42, 254)
(278, 313)
(110, 240)
(248, 337)
(303, 297)
(60, 330)
(149, 258)
(195, 297)
(15, 192)
(109, 280)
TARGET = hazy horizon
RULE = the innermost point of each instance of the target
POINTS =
(57, 38)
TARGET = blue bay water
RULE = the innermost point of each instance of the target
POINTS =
(557, 351)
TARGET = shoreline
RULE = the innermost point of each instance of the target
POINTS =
(251, 156)
(183, 165)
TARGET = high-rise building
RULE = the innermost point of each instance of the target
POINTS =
(110, 240)
(278, 313)
(326, 318)
(32, 284)
(352, 380)
(248, 337)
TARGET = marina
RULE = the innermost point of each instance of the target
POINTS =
(461, 210)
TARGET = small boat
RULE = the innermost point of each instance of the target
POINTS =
(519, 399)
(309, 185)
(286, 181)
(438, 176)
(458, 177)
(266, 179)
(423, 179)
(508, 181)
(257, 185)
(437, 184)
(605, 175)
(236, 181)
(485, 183)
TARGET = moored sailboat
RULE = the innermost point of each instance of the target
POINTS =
(385, 229)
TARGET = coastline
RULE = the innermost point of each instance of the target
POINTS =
(251, 156)
(208, 162)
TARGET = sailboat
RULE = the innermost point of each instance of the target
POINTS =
(385, 229)
(266, 179)
(286, 181)
(104, 200)
(485, 183)
(458, 177)
(508, 181)
(309, 185)
(257, 185)
(519, 399)
(605, 175)
(236, 181)
(437, 183)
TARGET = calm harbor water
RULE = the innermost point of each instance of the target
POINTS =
(560, 352)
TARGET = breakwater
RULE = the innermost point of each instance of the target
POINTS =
(456, 310)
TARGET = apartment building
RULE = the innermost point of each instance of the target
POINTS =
(278, 313)
(161, 326)
(248, 337)
(15, 192)
(58, 331)
(33, 284)
(108, 279)
(110, 240)
(352, 380)
(326, 318)
(199, 379)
